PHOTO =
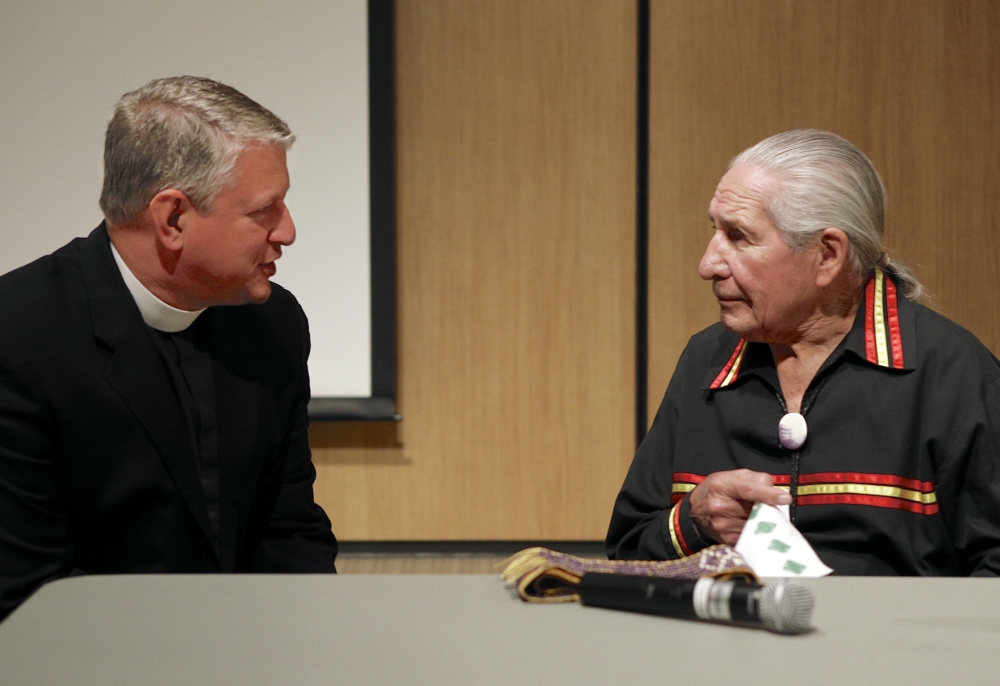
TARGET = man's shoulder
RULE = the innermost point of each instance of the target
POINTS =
(710, 344)
(708, 349)
(942, 341)
(716, 334)
(279, 321)
(281, 301)
(933, 326)
(281, 308)
(29, 288)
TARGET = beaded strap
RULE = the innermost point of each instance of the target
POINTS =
(548, 576)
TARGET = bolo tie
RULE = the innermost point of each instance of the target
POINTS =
(793, 430)
(792, 433)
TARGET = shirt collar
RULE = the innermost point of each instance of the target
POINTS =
(882, 336)
(155, 312)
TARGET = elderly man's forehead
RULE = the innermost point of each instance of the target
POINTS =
(743, 188)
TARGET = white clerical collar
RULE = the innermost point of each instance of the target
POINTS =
(155, 312)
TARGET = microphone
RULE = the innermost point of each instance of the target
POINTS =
(781, 606)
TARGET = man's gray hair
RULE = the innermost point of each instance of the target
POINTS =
(182, 132)
(823, 180)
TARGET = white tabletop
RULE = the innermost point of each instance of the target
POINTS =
(450, 629)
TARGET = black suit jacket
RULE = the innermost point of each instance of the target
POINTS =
(97, 471)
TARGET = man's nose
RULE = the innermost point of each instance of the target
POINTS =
(284, 233)
(712, 265)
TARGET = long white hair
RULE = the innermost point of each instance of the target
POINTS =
(825, 181)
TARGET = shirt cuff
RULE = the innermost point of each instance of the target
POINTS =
(683, 533)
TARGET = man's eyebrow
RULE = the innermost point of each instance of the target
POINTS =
(270, 198)
(721, 221)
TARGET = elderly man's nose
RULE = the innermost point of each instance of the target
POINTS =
(711, 265)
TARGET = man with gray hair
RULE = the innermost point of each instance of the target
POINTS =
(153, 382)
(824, 387)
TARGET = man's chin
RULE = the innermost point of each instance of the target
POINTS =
(256, 293)
(259, 296)
(737, 325)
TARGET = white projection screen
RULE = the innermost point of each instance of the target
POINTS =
(324, 67)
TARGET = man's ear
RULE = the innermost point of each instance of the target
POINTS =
(169, 210)
(834, 251)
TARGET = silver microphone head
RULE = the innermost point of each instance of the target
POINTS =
(786, 607)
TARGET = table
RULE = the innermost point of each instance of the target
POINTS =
(455, 629)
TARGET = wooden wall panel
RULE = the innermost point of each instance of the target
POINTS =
(516, 185)
(914, 83)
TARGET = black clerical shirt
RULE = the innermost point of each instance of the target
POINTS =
(187, 355)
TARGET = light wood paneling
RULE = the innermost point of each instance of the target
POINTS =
(516, 167)
(352, 563)
(914, 83)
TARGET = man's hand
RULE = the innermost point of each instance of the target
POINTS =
(722, 502)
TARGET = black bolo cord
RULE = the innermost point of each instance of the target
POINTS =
(796, 455)
(794, 488)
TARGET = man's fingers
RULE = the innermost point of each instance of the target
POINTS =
(770, 495)
(721, 503)
(754, 487)
(727, 527)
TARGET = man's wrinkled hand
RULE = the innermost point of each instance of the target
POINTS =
(722, 502)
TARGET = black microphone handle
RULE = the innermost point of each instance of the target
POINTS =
(709, 599)
(651, 595)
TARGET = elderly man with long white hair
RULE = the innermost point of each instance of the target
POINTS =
(824, 387)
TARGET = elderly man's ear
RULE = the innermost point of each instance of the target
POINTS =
(168, 209)
(832, 257)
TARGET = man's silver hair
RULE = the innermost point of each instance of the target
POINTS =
(821, 181)
(182, 132)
